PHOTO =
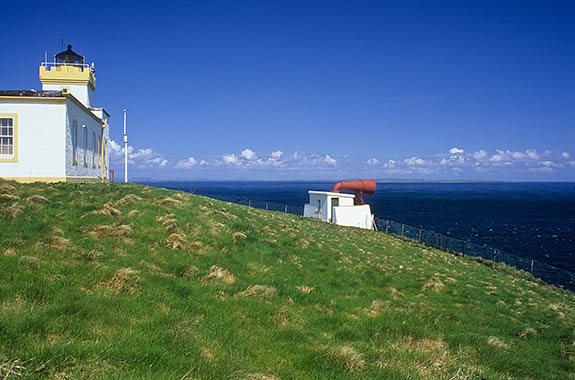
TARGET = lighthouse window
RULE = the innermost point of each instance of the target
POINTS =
(99, 150)
(75, 142)
(94, 150)
(6, 136)
(85, 145)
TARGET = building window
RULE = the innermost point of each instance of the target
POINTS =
(99, 151)
(94, 149)
(75, 142)
(85, 145)
(6, 137)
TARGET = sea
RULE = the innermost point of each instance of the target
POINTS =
(534, 220)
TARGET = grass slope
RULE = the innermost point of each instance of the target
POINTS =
(132, 282)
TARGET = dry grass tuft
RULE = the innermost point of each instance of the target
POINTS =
(9, 252)
(133, 213)
(10, 212)
(302, 243)
(170, 202)
(127, 199)
(165, 218)
(495, 341)
(124, 280)
(59, 243)
(263, 291)
(176, 241)
(221, 274)
(107, 210)
(434, 284)
(352, 359)
(9, 198)
(305, 289)
(36, 199)
(9, 368)
(105, 231)
(395, 293)
(376, 308)
(191, 271)
(238, 236)
(7, 187)
(261, 376)
(528, 332)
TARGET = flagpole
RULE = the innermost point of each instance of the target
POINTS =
(125, 149)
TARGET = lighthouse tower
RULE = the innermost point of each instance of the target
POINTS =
(71, 74)
(55, 134)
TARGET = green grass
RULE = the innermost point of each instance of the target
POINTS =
(166, 285)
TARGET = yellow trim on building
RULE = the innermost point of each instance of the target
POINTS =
(51, 99)
(83, 179)
(53, 179)
(14, 116)
(67, 74)
(40, 99)
(86, 109)
(34, 179)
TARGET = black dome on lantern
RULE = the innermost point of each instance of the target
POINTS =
(68, 56)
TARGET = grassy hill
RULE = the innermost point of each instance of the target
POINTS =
(133, 282)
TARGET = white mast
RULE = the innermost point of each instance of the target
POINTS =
(125, 149)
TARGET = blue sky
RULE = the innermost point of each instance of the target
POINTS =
(320, 89)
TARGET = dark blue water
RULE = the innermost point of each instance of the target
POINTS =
(532, 220)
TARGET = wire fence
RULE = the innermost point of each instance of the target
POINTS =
(548, 273)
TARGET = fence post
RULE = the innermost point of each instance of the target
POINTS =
(463, 247)
(387, 226)
(532, 267)
(285, 210)
(267, 206)
(439, 240)
(419, 236)
(494, 255)
(402, 229)
(249, 203)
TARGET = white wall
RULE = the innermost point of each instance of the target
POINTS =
(353, 216)
(83, 92)
(41, 139)
(323, 199)
(74, 112)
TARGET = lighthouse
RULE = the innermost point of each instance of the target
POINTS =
(55, 134)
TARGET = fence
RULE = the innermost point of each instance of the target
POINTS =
(548, 273)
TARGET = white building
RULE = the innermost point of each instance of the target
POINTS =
(55, 134)
(338, 208)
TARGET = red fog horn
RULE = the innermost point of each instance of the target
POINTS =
(367, 186)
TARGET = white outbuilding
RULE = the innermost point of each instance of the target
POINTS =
(55, 134)
(338, 208)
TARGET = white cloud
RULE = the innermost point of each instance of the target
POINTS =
(329, 160)
(390, 164)
(456, 150)
(532, 154)
(141, 158)
(277, 155)
(187, 164)
(414, 161)
(565, 155)
(230, 159)
(373, 161)
(248, 154)
(480, 155)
